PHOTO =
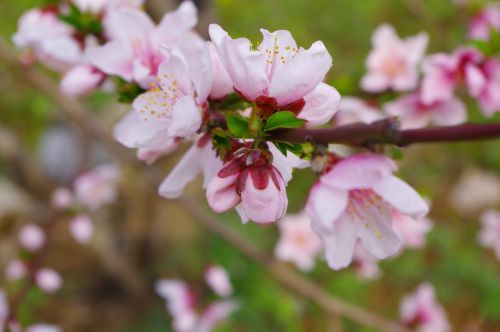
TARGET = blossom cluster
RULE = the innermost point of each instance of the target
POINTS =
(181, 301)
(228, 96)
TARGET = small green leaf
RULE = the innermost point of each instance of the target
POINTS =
(293, 148)
(238, 125)
(482, 45)
(284, 119)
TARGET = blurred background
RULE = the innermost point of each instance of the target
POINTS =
(108, 284)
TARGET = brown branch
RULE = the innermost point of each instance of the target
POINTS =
(75, 112)
(386, 132)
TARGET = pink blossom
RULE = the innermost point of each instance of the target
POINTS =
(81, 80)
(133, 53)
(82, 228)
(421, 311)
(62, 198)
(486, 20)
(484, 83)
(443, 72)
(40, 31)
(32, 237)
(48, 280)
(298, 243)
(354, 201)
(106, 6)
(411, 230)
(414, 113)
(180, 303)
(222, 84)
(201, 157)
(392, 63)
(152, 153)
(279, 74)
(16, 269)
(97, 187)
(215, 314)
(352, 110)
(252, 181)
(489, 236)
(171, 109)
(218, 279)
(43, 328)
(365, 264)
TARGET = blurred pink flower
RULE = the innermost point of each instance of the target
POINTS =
(489, 236)
(443, 72)
(392, 63)
(251, 180)
(354, 201)
(201, 157)
(51, 41)
(16, 269)
(414, 113)
(365, 264)
(62, 198)
(97, 187)
(48, 280)
(214, 314)
(411, 230)
(279, 74)
(484, 84)
(218, 279)
(133, 52)
(106, 6)
(81, 80)
(298, 243)
(180, 303)
(32, 237)
(43, 328)
(487, 19)
(352, 110)
(82, 228)
(421, 311)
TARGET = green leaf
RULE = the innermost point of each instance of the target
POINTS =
(284, 119)
(482, 45)
(238, 125)
(293, 148)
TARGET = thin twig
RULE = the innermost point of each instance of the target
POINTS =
(77, 113)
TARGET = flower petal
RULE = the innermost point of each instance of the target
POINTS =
(184, 172)
(325, 205)
(246, 68)
(321, 105)
(401, 196)
(301, 74)
(186, 118)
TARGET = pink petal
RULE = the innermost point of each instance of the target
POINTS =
(113, 58)
(221, 193)
(246, 68)
(186, 118)
(301, 74)
(185, 171)
(80, 81)
(339, 243)
(266, 205)
(134, 132)
(401, 196)
(321, 105)
(325, 205)
(359, 171)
